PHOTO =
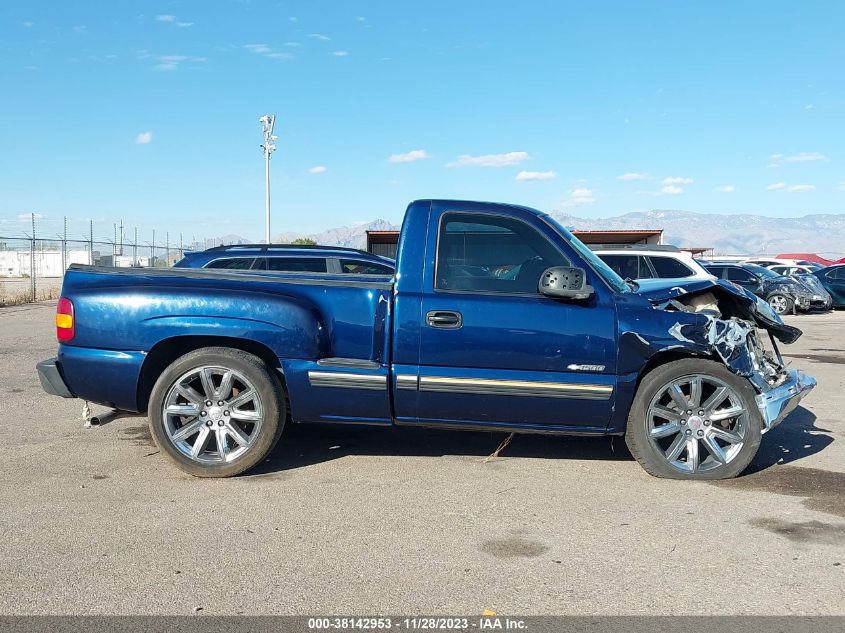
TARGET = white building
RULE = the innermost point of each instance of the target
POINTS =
(47, 263)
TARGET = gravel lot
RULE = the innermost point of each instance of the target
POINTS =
(97, 521)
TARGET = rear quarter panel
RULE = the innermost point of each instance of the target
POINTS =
(122, 315)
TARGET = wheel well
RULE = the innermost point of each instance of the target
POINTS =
(661, 358)
(165, 352)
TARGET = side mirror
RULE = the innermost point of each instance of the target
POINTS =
(565, 282)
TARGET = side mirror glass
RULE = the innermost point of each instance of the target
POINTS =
(565, 282)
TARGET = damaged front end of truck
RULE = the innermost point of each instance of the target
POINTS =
(718, 320)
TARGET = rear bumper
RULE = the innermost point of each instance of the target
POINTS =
(51, 379)
(776, 404)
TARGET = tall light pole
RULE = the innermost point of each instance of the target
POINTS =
(268, 122)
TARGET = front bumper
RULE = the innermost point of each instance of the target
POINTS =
(780, 401)
(51, 379)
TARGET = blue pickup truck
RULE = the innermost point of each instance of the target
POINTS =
(497, 318)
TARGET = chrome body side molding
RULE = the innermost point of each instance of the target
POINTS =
(529, 388)
(343, 380)
(407, 381)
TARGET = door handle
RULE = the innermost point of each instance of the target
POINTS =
(444, 319)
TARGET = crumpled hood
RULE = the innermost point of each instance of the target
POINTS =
(746, 305)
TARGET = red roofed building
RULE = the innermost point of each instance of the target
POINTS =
(810, 257)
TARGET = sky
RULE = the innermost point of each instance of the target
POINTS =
(147, 112)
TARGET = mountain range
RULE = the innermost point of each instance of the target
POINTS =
(739, 234)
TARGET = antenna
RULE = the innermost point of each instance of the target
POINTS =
(268, 123)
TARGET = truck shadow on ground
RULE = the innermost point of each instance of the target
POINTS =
(306, 444)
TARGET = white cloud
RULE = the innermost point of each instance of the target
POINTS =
(527, 176)
(800, 188)
(319, 36)
(293, 19)
(171, 62)
(677, 180)
(809, 106)
(579, 196)
(266, 51)
(258, 49)
(171, 19)
(26, 217)
(672, 190)
(632, 175)
(293, 44)
(800, 157)
(490, 160)
(340, 53)
(841, 186)
(408, 157)
(28, 24)
(360, 19)
(776, 186)
(144, 138)
(317, 169)
(726, 189)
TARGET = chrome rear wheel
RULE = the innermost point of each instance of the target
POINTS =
(217, 411)
(212, 414)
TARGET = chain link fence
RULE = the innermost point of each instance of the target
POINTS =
(32, 267)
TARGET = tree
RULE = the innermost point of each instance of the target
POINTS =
(304, 241)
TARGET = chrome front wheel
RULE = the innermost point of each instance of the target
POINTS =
(697, 422)
(693, 418)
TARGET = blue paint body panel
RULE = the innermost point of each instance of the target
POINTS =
(105, 376)
(358, 349)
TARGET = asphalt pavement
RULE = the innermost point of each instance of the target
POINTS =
(355, 521)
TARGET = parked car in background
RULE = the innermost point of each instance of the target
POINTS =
(765, 262)
(793, 269)
(805, 275)
(652, 262)
(833, 280)
(784, 294)
(289, 258)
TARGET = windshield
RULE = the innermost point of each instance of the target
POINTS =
(765, 273)
(606, 272)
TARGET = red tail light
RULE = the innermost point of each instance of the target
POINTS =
(65, 323)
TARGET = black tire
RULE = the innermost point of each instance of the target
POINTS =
(266, 384)
(655, 462)
(785, 303)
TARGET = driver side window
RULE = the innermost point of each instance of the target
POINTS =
(487, 253)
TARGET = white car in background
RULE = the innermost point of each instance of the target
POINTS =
(642, 261)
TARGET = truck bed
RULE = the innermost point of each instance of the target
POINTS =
(124, 315)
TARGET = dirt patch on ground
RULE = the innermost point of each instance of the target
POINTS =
(833, 359)
(139, 435)
(803, 532)
(823, 490)
(515, 547)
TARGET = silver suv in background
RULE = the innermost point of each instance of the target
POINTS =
(643, 261)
